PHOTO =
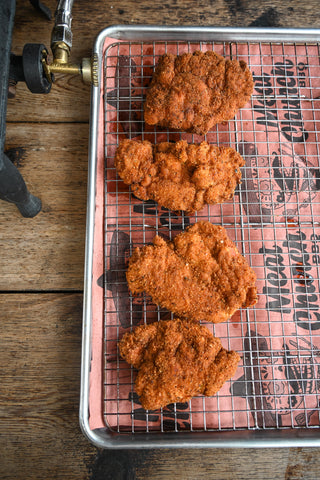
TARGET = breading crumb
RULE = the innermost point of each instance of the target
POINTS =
(179, 176)
(176, 360)
(200, 275)
(195, 91)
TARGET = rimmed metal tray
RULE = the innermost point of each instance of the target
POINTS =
(273, 400)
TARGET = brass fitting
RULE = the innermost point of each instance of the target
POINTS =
(61, 52)
(61, 43)
(60, 63)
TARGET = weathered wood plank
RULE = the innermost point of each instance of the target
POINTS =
(40, 358)
(46, 252)
(231, 464)
(40, 435)
(41, 333)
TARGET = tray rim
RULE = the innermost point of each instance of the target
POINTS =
(103, 437)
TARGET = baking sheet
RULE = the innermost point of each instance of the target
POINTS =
(273, 219)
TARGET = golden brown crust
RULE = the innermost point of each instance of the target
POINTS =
(176, 360)
(179, 176)
(195, 91)
(200, 275)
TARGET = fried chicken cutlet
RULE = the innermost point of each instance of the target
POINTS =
(200, 275)
(195, 91)
(179, 176)
(176, 360)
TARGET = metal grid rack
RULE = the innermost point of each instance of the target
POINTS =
(273, 219)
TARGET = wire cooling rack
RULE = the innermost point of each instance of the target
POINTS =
(273, 219)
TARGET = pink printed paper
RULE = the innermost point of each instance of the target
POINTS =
(273, 219)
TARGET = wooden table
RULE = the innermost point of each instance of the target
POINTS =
(41, 265)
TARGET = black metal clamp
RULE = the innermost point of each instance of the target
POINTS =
(33, 68)
(27, 68)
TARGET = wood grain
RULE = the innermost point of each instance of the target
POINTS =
(40, 435)
(231, 464)
(40, 332)
(40, 359)
(46, 252)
